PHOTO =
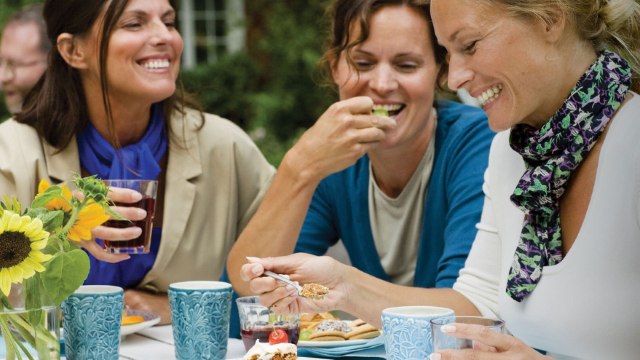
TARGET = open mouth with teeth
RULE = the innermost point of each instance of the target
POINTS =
(387, 109)
(489, 95)
(155, 64)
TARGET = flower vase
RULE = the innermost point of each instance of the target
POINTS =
(28, 332)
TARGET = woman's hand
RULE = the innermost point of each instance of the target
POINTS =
(117, 195)
(303, 268)
(342, 134)
(487, 345)
(145, 301)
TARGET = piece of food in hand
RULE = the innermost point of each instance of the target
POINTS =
(131, 319)
(380, 112)
(262, 351)
(278, 336)
(314, 291)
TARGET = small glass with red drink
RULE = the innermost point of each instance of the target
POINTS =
(258, 321)
(140, 245)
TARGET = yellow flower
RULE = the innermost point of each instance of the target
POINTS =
(21, 242)
(90, 216)
(61, 203)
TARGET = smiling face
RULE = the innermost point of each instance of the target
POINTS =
(507, 63)
(396, 67)
(143, 58)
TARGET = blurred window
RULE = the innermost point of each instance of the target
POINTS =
(210, 28)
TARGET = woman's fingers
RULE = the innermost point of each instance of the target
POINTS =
(123, 195)
(116, 234)
(482, 334)
(98, 252)
(131, 213)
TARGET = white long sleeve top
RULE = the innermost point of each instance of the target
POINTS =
(586, 306)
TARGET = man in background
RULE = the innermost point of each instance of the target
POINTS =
(23, 55)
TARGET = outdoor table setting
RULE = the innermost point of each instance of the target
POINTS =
(157, 343)
(408, 332)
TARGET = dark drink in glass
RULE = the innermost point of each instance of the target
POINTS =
(249, 336)
(141, 244)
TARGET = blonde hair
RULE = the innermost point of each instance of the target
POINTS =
(607, 24)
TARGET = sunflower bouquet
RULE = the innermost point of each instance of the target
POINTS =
(41, 262)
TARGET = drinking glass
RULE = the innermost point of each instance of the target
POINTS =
(442, 340)
(141, 244)
(258, 321)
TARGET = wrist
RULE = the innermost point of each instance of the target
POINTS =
(296, 167)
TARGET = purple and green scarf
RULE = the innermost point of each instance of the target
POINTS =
(551, 154)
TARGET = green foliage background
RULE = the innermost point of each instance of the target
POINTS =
(273, 88)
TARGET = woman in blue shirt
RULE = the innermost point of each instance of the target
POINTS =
(402, 191)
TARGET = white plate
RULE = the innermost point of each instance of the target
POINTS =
(333, 344)
(150, 319)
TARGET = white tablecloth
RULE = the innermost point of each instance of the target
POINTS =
(157, 343)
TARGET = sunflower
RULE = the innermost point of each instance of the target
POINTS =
(60, 203)
(21, 239)
(90, 216)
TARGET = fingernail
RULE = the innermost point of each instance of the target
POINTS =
(136, 196)
(252, 259)
(434, 356)
(448, 328)
(256, 271)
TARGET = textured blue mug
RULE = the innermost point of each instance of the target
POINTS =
(407, 331)
(91, 319)
(200, 312)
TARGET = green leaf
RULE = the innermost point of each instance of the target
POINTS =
(51, 219)
(43, 199)
(65, 273)
(11, 204)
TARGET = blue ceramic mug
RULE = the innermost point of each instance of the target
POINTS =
(91, 319)
(200, 312)
(407, 331)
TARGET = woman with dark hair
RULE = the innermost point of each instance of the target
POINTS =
(401, 191)
(108, 105)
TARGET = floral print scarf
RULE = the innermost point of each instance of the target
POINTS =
(551, 154)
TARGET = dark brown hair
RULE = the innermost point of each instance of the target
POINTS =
(343, 13)
(56, 107)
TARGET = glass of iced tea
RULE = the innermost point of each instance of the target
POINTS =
(258, 321)
(140, 245)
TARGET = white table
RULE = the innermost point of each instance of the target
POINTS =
(157, 343)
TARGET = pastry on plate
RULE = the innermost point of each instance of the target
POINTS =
(264, 351)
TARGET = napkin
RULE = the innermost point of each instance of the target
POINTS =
(372, 348)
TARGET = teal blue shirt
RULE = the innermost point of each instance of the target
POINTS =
(452, 207)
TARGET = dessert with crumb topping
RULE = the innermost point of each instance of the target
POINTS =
(264, 351)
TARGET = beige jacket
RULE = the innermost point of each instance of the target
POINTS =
(214, 185)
